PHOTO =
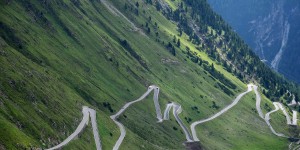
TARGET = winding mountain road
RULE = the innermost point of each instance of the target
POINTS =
(258, 101)
(177, 110)
(267, 119)
(293, 102)
(294, 118)
(267, 116)
(287, 116)
(194, 124)
(87, 112)
(121, 126)
(95, 128)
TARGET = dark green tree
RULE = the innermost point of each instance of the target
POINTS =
(178, 43)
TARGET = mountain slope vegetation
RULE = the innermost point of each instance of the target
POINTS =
(269, 27)
(57, 56)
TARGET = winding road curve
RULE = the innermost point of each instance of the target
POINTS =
(87, 112)
(287, 116)
(267, 116)
(293, 102)
(194, 124)
(176, 110)
(121, 126)
(258, 100)
(277, 107)
(267, 119)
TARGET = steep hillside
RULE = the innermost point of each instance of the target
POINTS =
(57, 56)
(271, 28)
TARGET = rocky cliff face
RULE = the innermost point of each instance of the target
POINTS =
(271, 28)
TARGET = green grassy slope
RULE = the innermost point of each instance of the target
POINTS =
(240, 128)
(57, 56)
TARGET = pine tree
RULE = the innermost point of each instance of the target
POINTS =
(212, 67)
(174, 39)
(178, 43)
(173, 51)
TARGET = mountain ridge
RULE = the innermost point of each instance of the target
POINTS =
(269, 27)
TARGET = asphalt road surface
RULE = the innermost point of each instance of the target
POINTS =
(87, 112)
(194, 124)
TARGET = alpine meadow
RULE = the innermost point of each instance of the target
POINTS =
(131, 75)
